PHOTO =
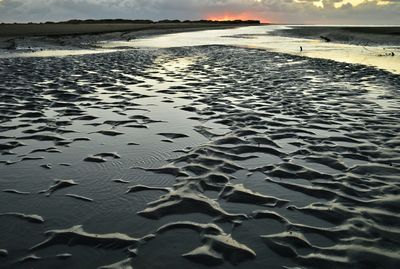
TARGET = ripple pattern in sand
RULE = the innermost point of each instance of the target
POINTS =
(263, 160)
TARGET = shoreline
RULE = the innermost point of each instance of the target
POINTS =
(173, 34)
(354, 35)
(86, 35)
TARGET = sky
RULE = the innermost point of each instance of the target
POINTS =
(274, 11)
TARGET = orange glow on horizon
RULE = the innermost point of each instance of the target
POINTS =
(231, 16)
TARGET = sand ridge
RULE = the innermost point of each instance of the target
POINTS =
(274, 160)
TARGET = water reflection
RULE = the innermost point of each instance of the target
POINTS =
(260, 37)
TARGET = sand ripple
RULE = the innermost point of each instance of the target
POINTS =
(272, 160)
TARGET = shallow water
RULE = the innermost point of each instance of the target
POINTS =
(249, 37)
(260, 37)
(199, 156)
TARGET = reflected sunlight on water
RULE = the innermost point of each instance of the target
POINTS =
(260, 37)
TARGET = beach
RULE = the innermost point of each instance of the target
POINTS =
(198, 156)
(357, 35)
(86, 35)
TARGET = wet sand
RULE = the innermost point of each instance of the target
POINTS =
(268, 38)
(195, 157)
(356, 35)
(63, 29)
(86, 35)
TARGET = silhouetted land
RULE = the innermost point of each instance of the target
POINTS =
(79, 27)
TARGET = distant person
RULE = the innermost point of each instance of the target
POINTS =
(301, 48)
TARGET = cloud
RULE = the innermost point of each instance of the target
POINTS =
(280, 11)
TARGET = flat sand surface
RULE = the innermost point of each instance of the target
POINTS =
(358, 35)
(61, 29)
(198, 157)
(86, 35)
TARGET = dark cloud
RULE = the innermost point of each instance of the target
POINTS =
(284, 11)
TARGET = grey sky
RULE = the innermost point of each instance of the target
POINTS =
(279, 11)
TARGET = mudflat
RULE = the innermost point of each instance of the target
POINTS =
(46, 36)
(62, 29)
(202, 156)
(358, 35)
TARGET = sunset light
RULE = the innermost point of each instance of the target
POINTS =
(230, 16)
(218, 134)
